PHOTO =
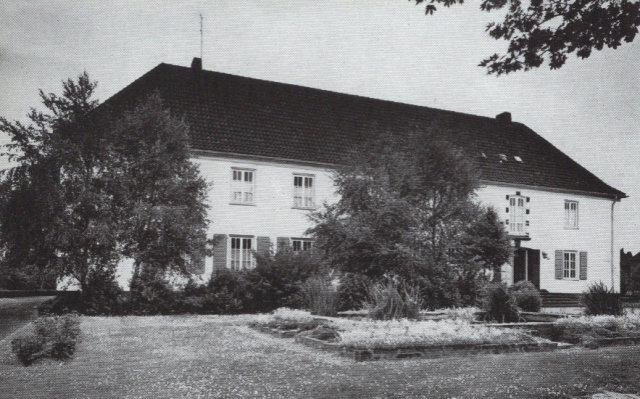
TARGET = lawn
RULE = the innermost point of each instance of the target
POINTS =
(216, 356)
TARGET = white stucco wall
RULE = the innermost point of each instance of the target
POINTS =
(548, 233)
(273, 215)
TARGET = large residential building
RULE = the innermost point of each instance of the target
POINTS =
(269, 150)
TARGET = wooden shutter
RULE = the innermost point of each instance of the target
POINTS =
(559, 265)
(583, 265)
(263, 245)
(283, 242)
(219, 252)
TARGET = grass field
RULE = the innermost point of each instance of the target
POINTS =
(213, 356)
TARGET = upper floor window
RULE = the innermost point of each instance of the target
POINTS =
(303, 191)
(299, 244)
(241, 253)
(569, 265)
(517, 214)
(571, 214)
(242, 186)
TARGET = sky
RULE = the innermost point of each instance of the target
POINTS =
(379, 48)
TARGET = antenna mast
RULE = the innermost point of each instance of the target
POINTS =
(201, 36)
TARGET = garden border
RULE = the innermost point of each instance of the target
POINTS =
(427, 351)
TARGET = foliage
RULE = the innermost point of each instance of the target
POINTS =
(157, 189)
(499, 303)
(230, 294)
(92, 186)
(277, 278)
(151, 293)
(598, 300)
(394, 299)
(353, 291)
(55, 212)
(550, 30)
(526, 295)
(320, 296)
(52, 336)
(405, 207)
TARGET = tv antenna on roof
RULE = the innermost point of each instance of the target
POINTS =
(201, 36)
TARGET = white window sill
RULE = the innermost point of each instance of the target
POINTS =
(306, 208)
(570, 279)
(571, 228)
(243, 203)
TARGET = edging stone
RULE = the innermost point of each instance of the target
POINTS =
(427, 352)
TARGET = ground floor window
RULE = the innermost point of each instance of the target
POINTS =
(299, 244)
(242, 253)
(569, 265)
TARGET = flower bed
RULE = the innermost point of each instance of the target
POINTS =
(593, 328)
(404, 333)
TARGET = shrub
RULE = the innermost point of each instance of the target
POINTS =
(394, 299)
(103, 294)
(598, 299)
(276, 280)
(499, 303)
(51, 336)
(352, 291)
(229, 292)
(150, 294)
(526, 296)
(320, 296)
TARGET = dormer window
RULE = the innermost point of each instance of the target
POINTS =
(517, 158)
(503, 158)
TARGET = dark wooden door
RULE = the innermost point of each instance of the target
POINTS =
(533, 268)
(526, 266)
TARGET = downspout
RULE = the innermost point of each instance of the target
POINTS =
(612, 257)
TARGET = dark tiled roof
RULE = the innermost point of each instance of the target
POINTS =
(234, 114)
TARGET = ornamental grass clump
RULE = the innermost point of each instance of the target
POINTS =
(394, 300)
(52, 336)
(320, 296)
(600, 300)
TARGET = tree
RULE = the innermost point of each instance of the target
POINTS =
(550, 30)
(158, 190)
(486, 241)
(405, 203)
(56, 213)
(93, 186)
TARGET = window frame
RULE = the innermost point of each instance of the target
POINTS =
(567, 215)
(302, 242)
(515, 216)
(566, 265)
(243, 186)
(305, 192)
(243, 253)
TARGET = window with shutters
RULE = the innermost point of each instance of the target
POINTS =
(517, 213)
(569, 265)
(241, 253)
(301, 244)
(571, 214)
(242, 186)
(303, 191)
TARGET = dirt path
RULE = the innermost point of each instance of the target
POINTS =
(16, 312)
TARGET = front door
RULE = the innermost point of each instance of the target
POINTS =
(526, 266)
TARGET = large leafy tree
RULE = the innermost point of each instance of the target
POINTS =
(92, 186)
(406, 207)
(158, 190)
(550, 30)
(56, 213)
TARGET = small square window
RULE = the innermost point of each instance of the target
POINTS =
(300, 244)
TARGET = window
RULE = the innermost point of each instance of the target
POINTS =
(242, 186)
(299, 244)
(241, 253)
(569, 265)
(303, 191)
(571, 214)
(516, 218)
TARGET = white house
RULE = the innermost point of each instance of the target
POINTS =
(269, 148)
